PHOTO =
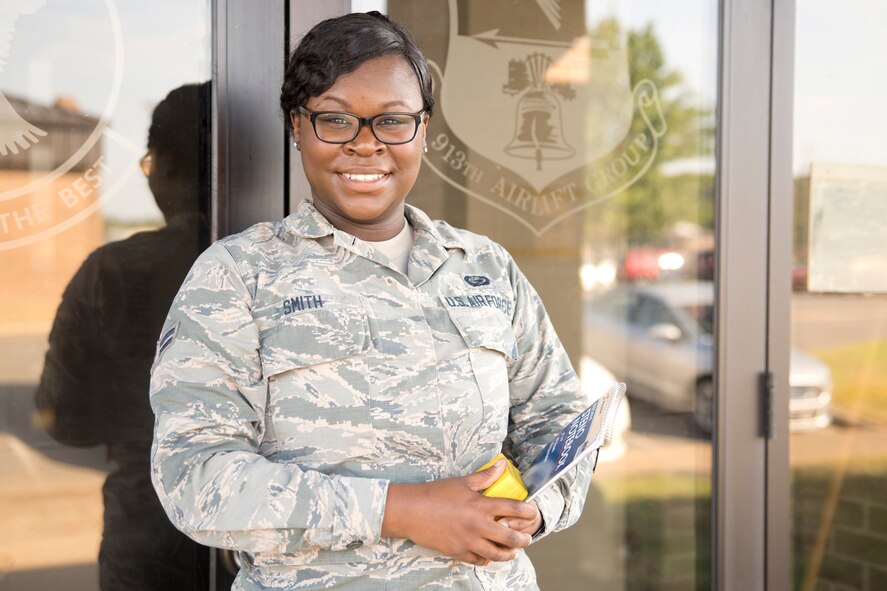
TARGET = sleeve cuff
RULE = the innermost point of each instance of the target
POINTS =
(551, 505)
(360, 506)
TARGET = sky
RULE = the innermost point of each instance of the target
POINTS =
(840, 89)
(68, 48)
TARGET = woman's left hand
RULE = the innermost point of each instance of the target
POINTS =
(526, 526)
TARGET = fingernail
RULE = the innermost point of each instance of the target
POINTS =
(505, 523)
(498, 463)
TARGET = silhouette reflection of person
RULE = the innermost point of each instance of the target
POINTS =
(94, 387)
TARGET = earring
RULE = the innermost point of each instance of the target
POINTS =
(297, 146)
(425, 148)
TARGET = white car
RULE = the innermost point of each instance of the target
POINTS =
(658, 339)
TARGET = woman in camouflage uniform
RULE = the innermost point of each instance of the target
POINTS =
(326, 386)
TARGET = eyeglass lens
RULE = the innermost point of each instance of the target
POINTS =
(390, 128)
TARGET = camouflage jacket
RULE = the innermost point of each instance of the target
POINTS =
(298, 374)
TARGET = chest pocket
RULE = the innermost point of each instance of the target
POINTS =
(316, 368)
(491, 344)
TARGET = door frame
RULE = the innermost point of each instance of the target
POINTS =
(779, 522)
(753, 290)
(252, 181)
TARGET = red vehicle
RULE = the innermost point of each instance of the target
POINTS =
(641, 264)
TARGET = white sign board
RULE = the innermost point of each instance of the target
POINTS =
(848, 229)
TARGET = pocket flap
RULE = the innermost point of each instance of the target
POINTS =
(486, 327)
(314, 337)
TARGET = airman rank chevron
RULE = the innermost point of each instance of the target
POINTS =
(167, 339)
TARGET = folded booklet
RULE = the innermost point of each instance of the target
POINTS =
(586, 434)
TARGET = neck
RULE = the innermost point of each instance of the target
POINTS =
(383, 228)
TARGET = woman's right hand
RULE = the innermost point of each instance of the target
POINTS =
(454, 518)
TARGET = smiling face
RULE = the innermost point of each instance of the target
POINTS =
(360, 186)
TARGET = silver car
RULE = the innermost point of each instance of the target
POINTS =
(658, 339)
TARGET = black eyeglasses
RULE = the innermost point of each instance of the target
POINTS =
(337, 127)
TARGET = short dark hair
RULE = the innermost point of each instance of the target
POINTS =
(180, 135)
(180, 126)
(340, 45)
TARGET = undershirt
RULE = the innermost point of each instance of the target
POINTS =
(397, 249)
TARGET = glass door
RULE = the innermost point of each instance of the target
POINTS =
(104, 201)
(838, 407)
(580, 135)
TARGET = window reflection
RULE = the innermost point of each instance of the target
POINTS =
(579, 135)
(93, 387)
(91, 252)
(839, 306)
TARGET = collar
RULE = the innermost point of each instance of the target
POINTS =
(430, 246)
(307, 222)
(421, 223)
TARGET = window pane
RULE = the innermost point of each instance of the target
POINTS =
(839, 304)
(91, 253)
(580, 136)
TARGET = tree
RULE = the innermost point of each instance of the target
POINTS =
(643, 213)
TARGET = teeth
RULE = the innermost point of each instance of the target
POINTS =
(362, 177)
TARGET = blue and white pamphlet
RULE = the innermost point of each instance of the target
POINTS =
(586, 434)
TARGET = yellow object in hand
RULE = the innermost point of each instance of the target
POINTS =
(509, 485)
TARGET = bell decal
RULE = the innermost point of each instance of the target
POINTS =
(538, 121)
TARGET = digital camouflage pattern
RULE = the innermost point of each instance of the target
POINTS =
(298, 374)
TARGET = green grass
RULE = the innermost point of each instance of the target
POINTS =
(653, 532)
(655, 487)
(638, 533)
(859, 372)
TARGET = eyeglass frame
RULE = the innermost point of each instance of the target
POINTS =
(361, 121)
